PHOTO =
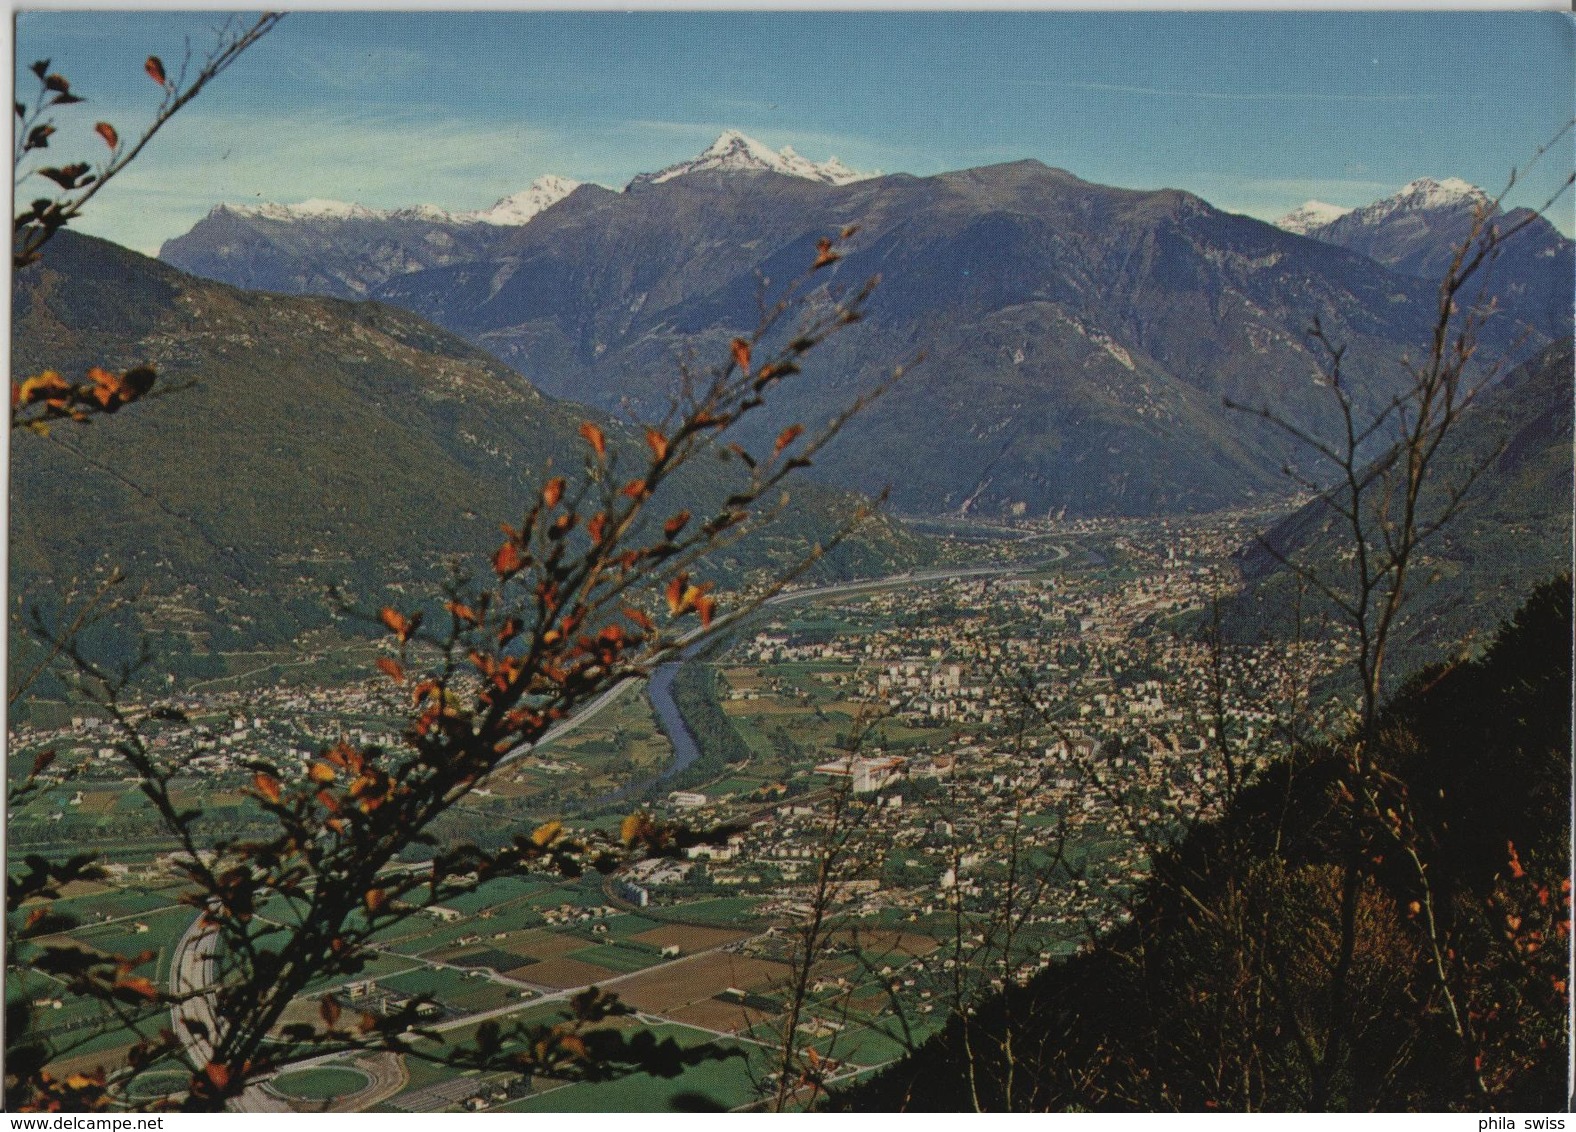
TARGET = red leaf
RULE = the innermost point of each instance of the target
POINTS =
(508, 560)
(787, 437)
(741, 354)
(107, 132)
(675, 524)
(155, 70)
(392, 669)
(657, 442)
(594, 438)
(553, 492)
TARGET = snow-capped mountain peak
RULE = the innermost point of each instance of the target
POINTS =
(1310, 215)
(315, 209)
(1422, 196)
(513, 210)
(1425, 192)
(520, 207)
(735, 152)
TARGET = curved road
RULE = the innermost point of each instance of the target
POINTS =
(192, 963)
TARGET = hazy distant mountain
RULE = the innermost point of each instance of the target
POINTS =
(327, 247)
(1309, 216)
(319, 442)
(1513, 531)
(1078, 338)
(1418, 230)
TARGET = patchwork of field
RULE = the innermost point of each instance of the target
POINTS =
(563, 972)
(690, 938)
(697, 978)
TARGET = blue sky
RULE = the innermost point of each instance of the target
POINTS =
(1255, 112)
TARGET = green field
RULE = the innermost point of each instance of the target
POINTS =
(723, 910)
(725, 1084)
(321, 1082)
(623, 959)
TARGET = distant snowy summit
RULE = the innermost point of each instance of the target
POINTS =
(513, 210)
(1310, 215)
(1422, 196)
(734, 152)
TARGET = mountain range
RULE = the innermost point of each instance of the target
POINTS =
(301, 443)
(1417, 231)
(1078, 339)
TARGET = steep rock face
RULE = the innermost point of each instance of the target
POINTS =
(1078, 339)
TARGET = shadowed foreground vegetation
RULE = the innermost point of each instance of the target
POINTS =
(1393, 937)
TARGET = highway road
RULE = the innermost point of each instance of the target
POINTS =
(191, 976)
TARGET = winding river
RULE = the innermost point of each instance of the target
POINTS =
(659, 689)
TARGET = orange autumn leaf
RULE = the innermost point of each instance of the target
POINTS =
(594, 438)
(741, 354)
(546, 834)
(707, 609)
(787, 437)
(375, 898)
(107, 132)
(322, 774)
(635, 489)
(463, 612)
(508, 560)
(675, 594)
(639, 618)
(675, 524)
(657, 442)
(635, 827)
(267, 785)
(41, 387)
(155, 70)
(391, 669)
(137, 985)
(398, 624)
(553, 492)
